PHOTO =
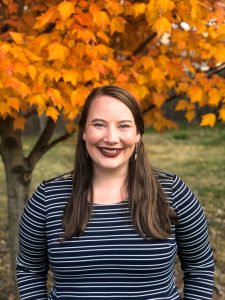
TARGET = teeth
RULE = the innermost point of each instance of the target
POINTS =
(112, 151)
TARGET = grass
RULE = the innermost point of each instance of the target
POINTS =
(197, 155)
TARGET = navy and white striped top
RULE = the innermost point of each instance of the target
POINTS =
(110, 261)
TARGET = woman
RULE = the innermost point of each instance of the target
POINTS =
(112, 228)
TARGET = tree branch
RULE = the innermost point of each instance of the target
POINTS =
(32, 112)
(39, 148)
(21, 8)
(143, 44)
(216, 70)
(151, 106)
(209, 73)
(57, 141)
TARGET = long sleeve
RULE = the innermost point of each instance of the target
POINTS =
(32, 259)
(194, 249)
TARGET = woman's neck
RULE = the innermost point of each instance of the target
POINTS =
(109, 187)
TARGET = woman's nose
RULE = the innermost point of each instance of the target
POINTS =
(111, 135)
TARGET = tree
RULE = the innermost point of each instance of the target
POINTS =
(53, 53)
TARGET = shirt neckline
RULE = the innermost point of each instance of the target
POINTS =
(111, 204)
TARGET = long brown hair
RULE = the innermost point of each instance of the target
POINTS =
(150, 211)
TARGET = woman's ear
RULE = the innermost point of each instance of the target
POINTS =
(138, 137)
(84, 136)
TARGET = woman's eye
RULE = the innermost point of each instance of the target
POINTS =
(124, 126)
(98, 125)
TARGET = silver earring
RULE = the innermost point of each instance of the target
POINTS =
(87, 154)
(135, 152)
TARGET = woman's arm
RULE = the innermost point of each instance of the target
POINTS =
(32, 259)
(194, 249)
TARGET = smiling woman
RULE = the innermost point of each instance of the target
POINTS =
(112, 227)
(111, 136)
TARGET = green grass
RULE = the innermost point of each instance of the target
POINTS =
(197, 155)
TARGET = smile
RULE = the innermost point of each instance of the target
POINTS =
(110, 152)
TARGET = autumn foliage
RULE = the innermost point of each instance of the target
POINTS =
(159, 50)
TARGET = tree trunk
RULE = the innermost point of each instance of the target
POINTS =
(18, 170)
(18, 179)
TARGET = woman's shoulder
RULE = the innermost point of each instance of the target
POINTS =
(164, 176)
(169, 180)
(63, 179)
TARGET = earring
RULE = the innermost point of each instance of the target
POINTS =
(87, 154)
(135, 152)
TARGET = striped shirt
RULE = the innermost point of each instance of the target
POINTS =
(110, 260)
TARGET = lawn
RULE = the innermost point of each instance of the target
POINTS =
(197, 155)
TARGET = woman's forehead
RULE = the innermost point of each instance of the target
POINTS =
(107, 105)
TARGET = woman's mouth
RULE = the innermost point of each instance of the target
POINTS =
(110, 152)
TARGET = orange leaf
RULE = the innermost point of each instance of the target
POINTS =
(182, 87)
(20, 68)
(194, 9)
(221, 30)
(195, 93)
(113, 66)
(91, 74)
(103, 36)
(158, 99)
(222, 114)
(114, 8)
(161, 26)
(66, 9)
(166, 5)
(17, 37)
(55, 96)
(90, 51)
(117, 25)
(142, 92)
(147, 62)
(157, 75)
(32, 72)
(103, 50)
(85, 35)
(190, 115)
(52, 113)
(14, 103)
(101, 19)
(142, 79)
(46, 18)
(208, 120)
(19, 53)
(18, 86)
(33, 57)
(214, 97)
(94, 9)
(220, 53)
(122, 78)
(37, 99)
(19, 123)
(78, 96)
(138, 9)
(98, 65)
(57, 51)
(182, 105)
(42, 41)
(70, 76)
(151, 6)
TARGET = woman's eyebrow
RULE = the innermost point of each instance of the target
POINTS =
(125, 121)
(98, 120)
(102, 120)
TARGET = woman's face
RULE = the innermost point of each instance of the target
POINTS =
(110, 134)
